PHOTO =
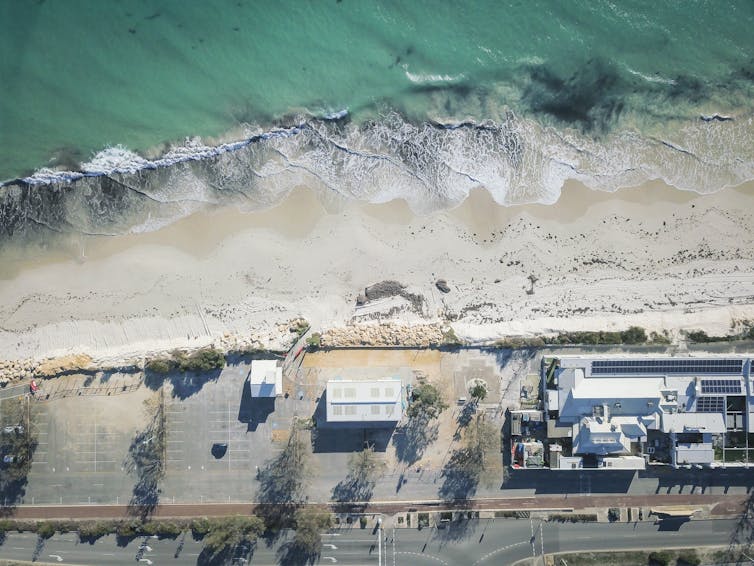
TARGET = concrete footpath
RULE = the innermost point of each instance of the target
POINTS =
(718, 506)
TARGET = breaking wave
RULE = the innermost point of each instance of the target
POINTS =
(431, 165)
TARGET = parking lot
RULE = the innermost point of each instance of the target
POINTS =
(82, 443)
(218, 436)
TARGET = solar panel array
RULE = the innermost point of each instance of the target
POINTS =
(729, 386)
(667, 366)
(710, 404)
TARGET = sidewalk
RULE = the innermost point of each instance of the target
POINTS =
(722, 506)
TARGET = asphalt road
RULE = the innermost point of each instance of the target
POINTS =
(467, 543)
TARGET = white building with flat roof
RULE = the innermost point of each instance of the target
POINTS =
(376, 402)
(266, 378)
(688, 404)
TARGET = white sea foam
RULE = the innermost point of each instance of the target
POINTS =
(431, 166)
(419, 78)
(651, 78)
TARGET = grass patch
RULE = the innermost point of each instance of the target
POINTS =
(735, 455)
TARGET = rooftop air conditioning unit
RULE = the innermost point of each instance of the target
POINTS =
(650, 449)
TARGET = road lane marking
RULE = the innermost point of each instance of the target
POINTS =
(501, 549)
(422, 555)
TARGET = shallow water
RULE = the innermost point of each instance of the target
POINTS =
(515, 97)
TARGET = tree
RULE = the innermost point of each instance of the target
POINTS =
(363, 470)
(225, 535)
(20, 444)
(419, 432)
(478, 391)
(479, 459)
(310, 523)
(426, 402)
(282, 481)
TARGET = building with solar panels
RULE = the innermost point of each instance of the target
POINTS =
(627, 411)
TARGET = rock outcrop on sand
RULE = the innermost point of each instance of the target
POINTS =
(386, 334)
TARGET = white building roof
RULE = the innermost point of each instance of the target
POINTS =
(266, 378)
(701, 453)
(578, 394)
(712, 423)
(601, 436)
(377, 400)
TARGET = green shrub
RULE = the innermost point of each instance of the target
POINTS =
(46, 529)
(701, 336)
(6, 525)
(449, 338)
(168, 529)
(149, 528)
(160, 365)
(200, 527)
(66, 526)
(657, 338)
(129, 529)
(426, 401)
(205, 359)
(662, 558)
(93, 531)
(314, 341)
(688, 558)
(634, 335)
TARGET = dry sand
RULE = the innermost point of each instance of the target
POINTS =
(653, 256)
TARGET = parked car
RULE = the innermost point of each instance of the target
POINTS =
(18, 429)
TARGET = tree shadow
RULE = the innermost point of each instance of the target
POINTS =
(460, 528)
(38, 548)
(460, 475)
(466, 414)
(184, 384)
(281, 488)
(242, 553)
(21, 445)
(295, 554)
(742, 535)
(413, 438)
(352, 494)
(145, 459)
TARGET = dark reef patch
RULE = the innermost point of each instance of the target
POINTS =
(688, 88)
(592, 98)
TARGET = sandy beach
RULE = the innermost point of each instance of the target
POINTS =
(654, 256)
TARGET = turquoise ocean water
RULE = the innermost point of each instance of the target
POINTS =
(421, 100)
